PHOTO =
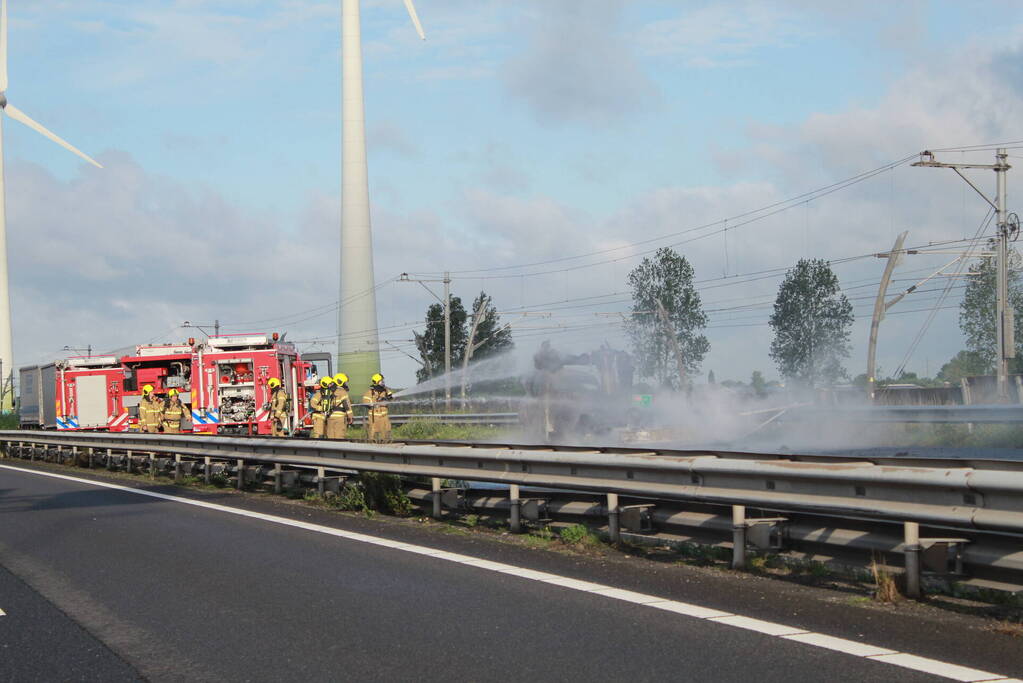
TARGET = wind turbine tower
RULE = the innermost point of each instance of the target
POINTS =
(6, 344)
(357, 338)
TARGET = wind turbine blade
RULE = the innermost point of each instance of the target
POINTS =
(3, 45)
(412, 14)
(20, 116)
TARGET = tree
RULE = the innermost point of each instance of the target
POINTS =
(964, 364)
(431, 341)
(710, 378)
(664, 340)
(491, 337)
(811, 323)
(977, 318)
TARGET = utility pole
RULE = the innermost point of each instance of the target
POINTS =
(446, 302)
(447, 340)
(1004, 323)
(894, 257)
(216, 328)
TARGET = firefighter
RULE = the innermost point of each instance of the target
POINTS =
(172, 412)
(341, 414)
(319, 403)
(378, 426)
(150, 411)
(280, 406)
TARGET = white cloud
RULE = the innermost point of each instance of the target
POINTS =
(578, 65)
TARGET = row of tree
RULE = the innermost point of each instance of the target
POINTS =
(811, 322)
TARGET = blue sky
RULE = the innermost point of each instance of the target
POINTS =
(516, 133)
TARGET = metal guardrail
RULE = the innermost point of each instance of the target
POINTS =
(972, 414)
(974, 495)
(489, 419)
(952, 414)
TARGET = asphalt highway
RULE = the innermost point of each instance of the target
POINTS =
(101, 584)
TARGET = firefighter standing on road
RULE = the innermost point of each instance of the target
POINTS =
(378, 426)
(341, 414)
(172, 412)
(280, 406)
(150, 411)
(319, 404)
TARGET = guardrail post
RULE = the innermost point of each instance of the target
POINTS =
(110, 458)
(277, 478)
(437, 511)
(738, 537)
(74, 456)
(514, 517)
(241, 475)
(152, 465)
(92, 456)
(321, 481)
(127, 461)
(207, 470)
(614, 529)
(911, 549)
(32, 453)
(177, 468)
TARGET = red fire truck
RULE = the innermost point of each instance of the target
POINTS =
(161, 366)
(88, 394)
(230, 393)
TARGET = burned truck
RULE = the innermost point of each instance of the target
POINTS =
(578, 395)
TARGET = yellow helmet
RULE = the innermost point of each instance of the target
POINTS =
(377, 378)
(148, 389)
(172, 392)
(341, 378)
(274, 383)
(326, 382)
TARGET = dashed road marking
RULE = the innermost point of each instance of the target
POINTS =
(849, 647)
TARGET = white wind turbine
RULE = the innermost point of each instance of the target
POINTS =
(6, 346)
(357, 340)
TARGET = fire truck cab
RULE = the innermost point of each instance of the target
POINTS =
(231, 392)
(162, 366)
(88, 393)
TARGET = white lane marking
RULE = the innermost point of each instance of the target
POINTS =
(850, 647)
(923, 664)
(760, 626)
(3, 613)
(931, 666)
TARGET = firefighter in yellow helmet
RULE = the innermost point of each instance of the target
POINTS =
(279, 408)
(341, 414)
(319, 404)
(172, 412)
(378, 425)
(150, 411)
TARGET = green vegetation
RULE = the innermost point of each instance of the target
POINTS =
(384, 492)
(9, 421)
(427, 429)
(578, 534)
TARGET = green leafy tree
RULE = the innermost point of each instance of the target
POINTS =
(491, 336)
(977, 318)
(964, 364)
(660, 345)
(811, 322)
(431, 341)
